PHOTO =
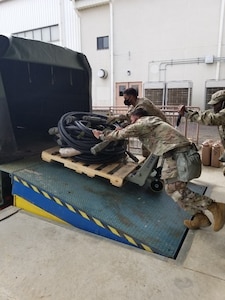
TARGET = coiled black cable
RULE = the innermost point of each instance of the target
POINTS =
(75, 130)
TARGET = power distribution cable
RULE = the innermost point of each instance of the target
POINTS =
(75, 130)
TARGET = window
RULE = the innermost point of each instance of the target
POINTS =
(48, 34)
(102, 42)
(37, 34)
(54, 31)
(122, 88)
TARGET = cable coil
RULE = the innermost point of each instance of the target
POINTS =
(75, 130)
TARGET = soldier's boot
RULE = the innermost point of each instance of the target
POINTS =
(218, 212)
(199, 220)
(222, 157)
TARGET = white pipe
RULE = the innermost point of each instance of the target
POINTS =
(162, 64)
(78, 27)
(220, 39)
(62, 23)
(111, 55)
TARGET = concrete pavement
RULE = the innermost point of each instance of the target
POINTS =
(41, 259)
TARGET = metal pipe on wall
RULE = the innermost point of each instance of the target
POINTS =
(220, 39)
(78, 29)
(111, 55)
(62, 26)
(162, 64)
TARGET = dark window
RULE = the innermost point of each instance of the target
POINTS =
(134, 86)
(102, 42)
(121, 90)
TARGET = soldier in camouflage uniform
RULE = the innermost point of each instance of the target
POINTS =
(216, 118)
(162, 139)
(133, 102)
(131, 99)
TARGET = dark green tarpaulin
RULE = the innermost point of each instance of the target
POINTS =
(39, 82)
(31, 51)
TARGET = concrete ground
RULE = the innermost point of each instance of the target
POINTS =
(41, 259)
(44, 260)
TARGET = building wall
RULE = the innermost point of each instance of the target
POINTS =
(157, 41)
(24, 15)
(99, 59)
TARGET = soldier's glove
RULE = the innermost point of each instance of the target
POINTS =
(181, 110)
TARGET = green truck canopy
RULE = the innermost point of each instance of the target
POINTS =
(39, 82)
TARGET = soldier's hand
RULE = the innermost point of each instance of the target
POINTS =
(96, 133)
(181, 110)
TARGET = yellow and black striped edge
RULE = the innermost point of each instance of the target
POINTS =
(73, 209)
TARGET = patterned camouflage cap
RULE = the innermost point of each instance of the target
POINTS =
(217, 97)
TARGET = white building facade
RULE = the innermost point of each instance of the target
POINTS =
(51, 21)
(171, 51)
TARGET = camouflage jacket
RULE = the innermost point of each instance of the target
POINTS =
(156, 135)
(209, 118)
(147, 105)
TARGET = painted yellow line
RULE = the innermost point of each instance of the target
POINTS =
(26, 205)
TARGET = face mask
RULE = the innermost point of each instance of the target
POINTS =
(127, 102)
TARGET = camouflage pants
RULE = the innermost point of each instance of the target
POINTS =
(180, 193)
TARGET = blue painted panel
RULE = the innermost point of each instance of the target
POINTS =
(151, 218)
(62, 212)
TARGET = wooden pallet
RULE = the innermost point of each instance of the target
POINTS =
(115, 172)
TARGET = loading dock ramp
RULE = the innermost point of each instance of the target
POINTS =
(130, 214)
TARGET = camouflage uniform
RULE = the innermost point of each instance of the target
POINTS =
(147, 105)
(152, 110)
(163, 140)
(211, 119)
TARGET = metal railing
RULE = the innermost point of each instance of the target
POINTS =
(187, 128)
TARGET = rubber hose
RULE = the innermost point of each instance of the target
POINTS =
(75, 130)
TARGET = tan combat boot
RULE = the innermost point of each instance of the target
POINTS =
(218, 211)
(199, 220)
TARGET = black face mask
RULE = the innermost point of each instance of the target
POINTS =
(127, 102)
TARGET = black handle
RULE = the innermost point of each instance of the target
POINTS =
(132, 156)
(178, 120)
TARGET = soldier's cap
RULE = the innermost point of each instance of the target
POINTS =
(217, 97)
